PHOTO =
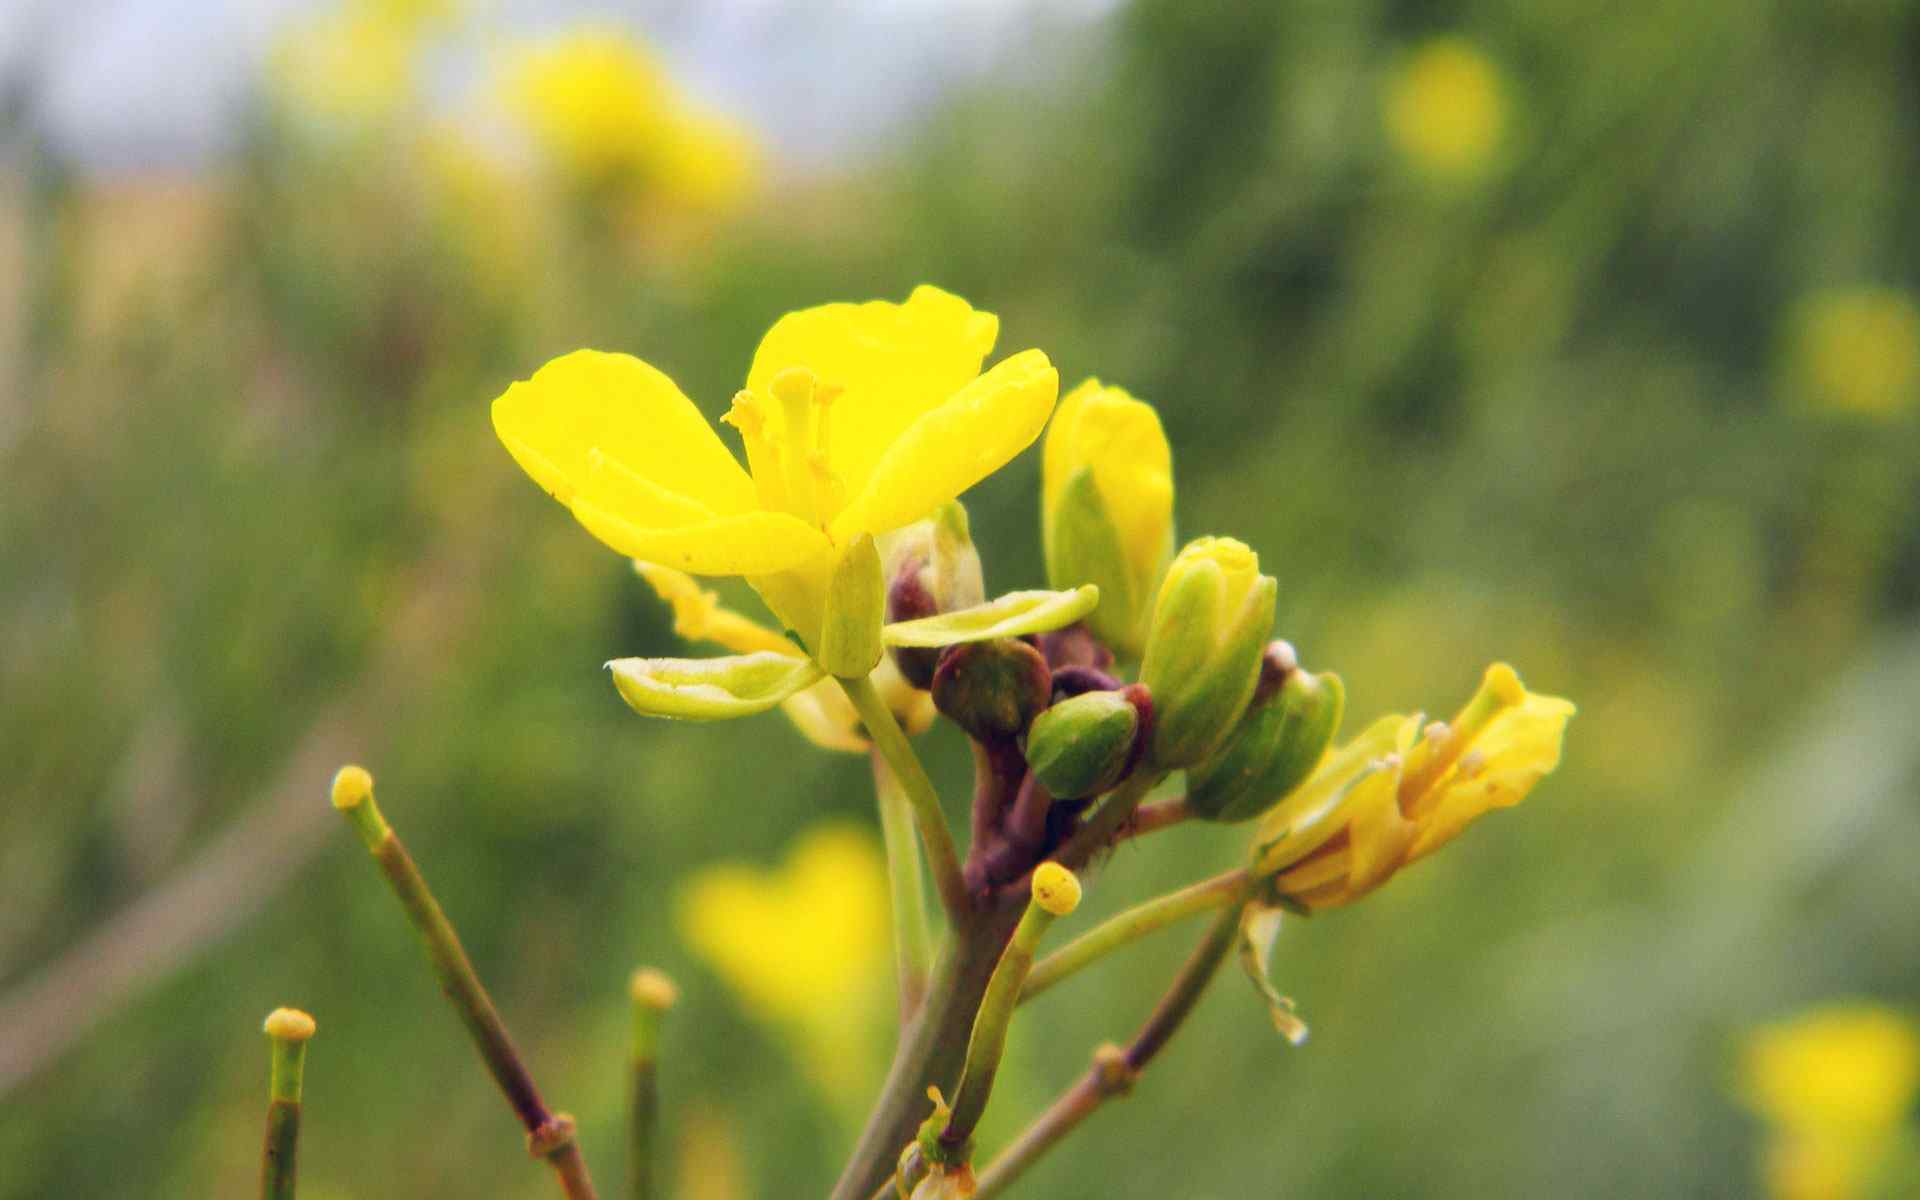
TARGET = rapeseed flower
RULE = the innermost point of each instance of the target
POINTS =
(857, 419)
(1397, 792)
(1856, 350)
(1446, 109)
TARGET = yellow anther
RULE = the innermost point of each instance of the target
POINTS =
(749, 416)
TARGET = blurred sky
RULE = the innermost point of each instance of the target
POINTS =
(144, 83)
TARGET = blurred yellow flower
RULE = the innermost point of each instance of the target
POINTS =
(356, 63)
(857, 419)
(1398, 792)
(1836, 1084)
(822, 713)
(601, 107)
(806, 945)
(1107, 506)
(1856, 350)
(1446, 108)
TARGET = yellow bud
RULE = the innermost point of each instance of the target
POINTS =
(1210, 625)
(651, 987)
(289, 1024)
(351, 786)
(1107, 506)
(1056, 889)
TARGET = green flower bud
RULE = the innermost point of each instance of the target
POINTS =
(1278, 743)
(1107, 506)
(1210, 621)
(992, 689)
(856, 608)
(1083, 745)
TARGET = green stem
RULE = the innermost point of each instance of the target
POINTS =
(988, 1041)
(653, 993)
(279, 1152)
(912, 943)
(932, 1048)
(550, 1135)
(1130, 926)
(891, 742)
(1114, 1074)
(1100, 828)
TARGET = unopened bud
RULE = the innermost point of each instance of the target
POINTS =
(931, 567)
(993, 690)
(1278, 743)
(1210, 622)
(1056, 889)
(1083, 745)
(1107, 506)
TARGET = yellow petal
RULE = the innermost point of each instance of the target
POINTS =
(699, 616)
(747, 543)
(1122, 440)
(1379, 835)
(892, 362)
(1518, 748)
(1847, 1067)
(955, 445)
(636, 417)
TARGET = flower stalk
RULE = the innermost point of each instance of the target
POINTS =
(550, 1135)
(1130, 926)
(890, 741)
(912, 943)
(653, 994)
(290, 1030)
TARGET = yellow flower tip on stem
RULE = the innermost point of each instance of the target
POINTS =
(1056, 889)
(351, 786)
(651, 988)
(289, 1025)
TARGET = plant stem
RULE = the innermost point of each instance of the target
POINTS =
(912, 944)
(892, 744)
(1099, 829)
(550, 1135)
(1114, 1075)
(1130, 926)
(279, 1153)
(1151, 818)
(932, 1048)
(653, 994)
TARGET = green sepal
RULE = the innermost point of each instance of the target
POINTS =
(1013, 615)
(1082, 546)
(856, 607)
(711, 689)
(1259, 928)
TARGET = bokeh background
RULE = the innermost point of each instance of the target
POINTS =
(1581, 336)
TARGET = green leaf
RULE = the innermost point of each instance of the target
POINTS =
(1259, 927)
(1012, 615)
(711, 689)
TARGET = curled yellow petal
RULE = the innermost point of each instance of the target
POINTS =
(699, 616)
(955, 445)
(1518, 748)
(635, 417)
(743, 544)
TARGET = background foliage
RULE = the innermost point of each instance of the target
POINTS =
(1612, 375)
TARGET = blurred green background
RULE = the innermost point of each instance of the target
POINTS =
(1582, 337)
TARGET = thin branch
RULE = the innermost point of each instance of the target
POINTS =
(1130, 926)
(891, 742)
(912, 943)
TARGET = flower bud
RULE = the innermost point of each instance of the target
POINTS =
(1107, 506)
(1083, 745)
(931, 567)
(1278, 743)
(991, 689)
(1213, 615)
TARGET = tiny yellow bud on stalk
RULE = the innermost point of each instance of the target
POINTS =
(288, 1025)
(290, 1030)
(1056, 889)
(351, 785)
(651, 987)
(352, 794)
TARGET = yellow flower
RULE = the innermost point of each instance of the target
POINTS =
(822, 713)
(349, 65)
(806, 946)
(1397, 793)
(1446, 108)
(600, 105)
(1836, 1084)
(1857, 350)
(1107, 506)
(857, 419)
(1851, 1066)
